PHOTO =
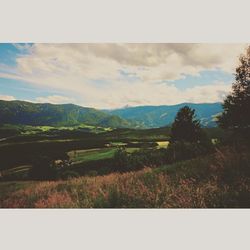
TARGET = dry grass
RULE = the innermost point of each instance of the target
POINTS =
(218, 181)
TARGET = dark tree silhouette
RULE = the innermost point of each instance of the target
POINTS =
(236, 114)
(121, 159)
(185, 127)
(42, 169)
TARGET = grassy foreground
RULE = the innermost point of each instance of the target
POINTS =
(218, 180)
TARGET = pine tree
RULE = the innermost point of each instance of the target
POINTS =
(185, 127)
(236, 114)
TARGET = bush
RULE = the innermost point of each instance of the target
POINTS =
(43, 169)
(69, 174)
(232, 164)
(124, 162)
(179, 151)
(92, 173)
(120, 160)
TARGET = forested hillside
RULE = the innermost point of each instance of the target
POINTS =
(158, 116)
(41, 114)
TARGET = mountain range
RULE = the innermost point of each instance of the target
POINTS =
(46, 114)
(159, 116)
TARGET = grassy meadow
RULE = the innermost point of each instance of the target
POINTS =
(204, 182)
(118, 168)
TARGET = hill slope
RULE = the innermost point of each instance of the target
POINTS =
(158, 116)
(40, 114)
(216, 181)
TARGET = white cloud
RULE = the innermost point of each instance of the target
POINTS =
(55, 99)
(92, 72)
(158, 94)
(210, 93)
(7, 98)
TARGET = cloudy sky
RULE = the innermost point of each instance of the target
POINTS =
(116, 75)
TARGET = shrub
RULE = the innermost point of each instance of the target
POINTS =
(120, 160)
(179, 151)
(43, 169)
(92, 173)
(231, 165)
(69, 174)
(139, 159)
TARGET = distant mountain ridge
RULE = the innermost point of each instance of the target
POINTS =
(159, 116)
(46, 114)
(42, 114)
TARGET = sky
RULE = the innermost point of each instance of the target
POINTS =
(113, 75)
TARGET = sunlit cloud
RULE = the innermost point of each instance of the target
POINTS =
(54, 99)
(7, 97)
(114, 75)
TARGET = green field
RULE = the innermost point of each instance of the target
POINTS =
(28, 130)
(162, 144)
(87, 149)
(91, 154)
(88, 155)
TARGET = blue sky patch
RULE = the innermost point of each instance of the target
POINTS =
(206, 77)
